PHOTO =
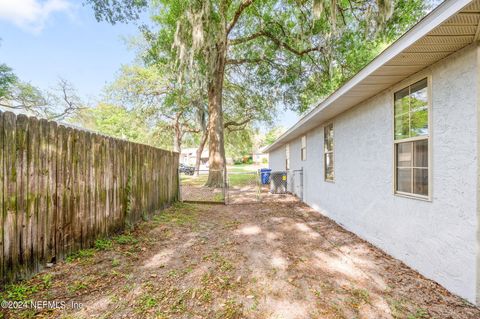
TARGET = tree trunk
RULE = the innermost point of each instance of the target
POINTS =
(177, 137)
(215, 120)
(200, 148)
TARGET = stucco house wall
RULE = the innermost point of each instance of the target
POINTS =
(438, 238)
(276, 159)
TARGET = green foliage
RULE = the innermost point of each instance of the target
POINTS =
(180, 214)
(103, 244)
(419, 314)
(76, 286)
(279, 54)
(81, 254)
(117, 11)
(118, 121)
(239, 143)
(19, 292)
(115, 263)
(47, 280)
(7, 80)
(272, 135)
(126, 239)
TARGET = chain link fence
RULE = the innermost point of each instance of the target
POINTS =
(194, 186)
(243, 187)
(237, 187)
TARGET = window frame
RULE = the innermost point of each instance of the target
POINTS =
(287, 156)
(332, 180)
(428, 138)
(303, 148)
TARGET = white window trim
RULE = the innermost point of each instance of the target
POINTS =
(303, 147)
(287, 156)
(332, 152)
(397, 88)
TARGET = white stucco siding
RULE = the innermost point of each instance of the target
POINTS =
(276, 159)
(438, 237)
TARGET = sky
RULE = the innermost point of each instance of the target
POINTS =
(45, 40)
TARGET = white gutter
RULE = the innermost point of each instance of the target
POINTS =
(442, 13)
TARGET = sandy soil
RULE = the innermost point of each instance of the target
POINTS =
(276, 259)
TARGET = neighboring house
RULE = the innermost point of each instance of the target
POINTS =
(393, 155)
(188, 156)
(259, 156)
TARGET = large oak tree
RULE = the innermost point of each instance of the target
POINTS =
(294, 51)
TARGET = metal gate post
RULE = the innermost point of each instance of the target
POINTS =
(301, 183)
(225, 185)
(259, 185)
(180, 199)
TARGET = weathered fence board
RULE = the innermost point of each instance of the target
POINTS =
(2, 169)
(61, 188)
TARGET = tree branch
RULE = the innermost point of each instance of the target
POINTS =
(243, 61)
(233, 123)
(278, 42)
(245, 4)
(245, 39)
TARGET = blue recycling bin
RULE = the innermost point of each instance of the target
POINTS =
(265, 175)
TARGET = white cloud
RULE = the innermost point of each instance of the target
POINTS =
(31, 15)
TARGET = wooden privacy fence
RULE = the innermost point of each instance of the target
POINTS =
(61, 188)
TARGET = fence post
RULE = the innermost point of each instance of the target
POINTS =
(179, 188)
(301, 183)
(225, 185)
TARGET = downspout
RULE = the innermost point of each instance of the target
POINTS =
(477, 297)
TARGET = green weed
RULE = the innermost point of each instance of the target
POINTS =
(103, 244)
(126, 240)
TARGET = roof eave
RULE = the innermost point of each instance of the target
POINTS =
(435, 18)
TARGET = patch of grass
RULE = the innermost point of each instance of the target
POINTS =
(205, 294)
(76, 286)
(317, 293)
(419, 314)
(147, 302)
(103, 244)
(19, 292)
(115, 262)
(126, 239)
(47, 280)
(218, 197)
(179, 304)
(221, 262)
(180, 214)
(398, 307)
(358, 297)
(231, 224)
(245, 179)
(81, 254)
(231, 310)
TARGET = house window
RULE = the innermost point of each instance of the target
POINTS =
(287, 157)
(412, 140)
(328, 159)
(304, 148)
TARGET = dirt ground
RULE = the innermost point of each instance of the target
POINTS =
(277, 259)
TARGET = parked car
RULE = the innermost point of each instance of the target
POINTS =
(187, 170)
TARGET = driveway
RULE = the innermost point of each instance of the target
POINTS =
(276, 259)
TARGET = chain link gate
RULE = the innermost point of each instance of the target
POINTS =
(243, 187)
(237, 187)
